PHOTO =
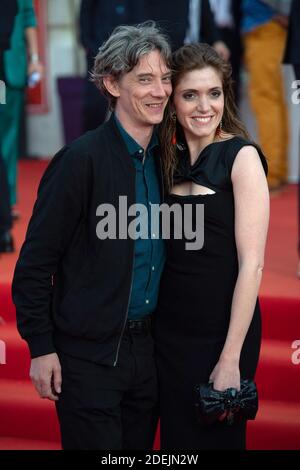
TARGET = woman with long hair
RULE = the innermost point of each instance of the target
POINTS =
(208, 326)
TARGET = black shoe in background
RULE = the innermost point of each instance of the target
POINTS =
(6, 243)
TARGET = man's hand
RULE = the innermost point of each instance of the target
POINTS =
(45, 373)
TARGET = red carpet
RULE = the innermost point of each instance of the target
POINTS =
(27, 422)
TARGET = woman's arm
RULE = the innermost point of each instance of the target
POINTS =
(251, 198)
(34, 63)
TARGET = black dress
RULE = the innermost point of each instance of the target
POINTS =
(194, 306)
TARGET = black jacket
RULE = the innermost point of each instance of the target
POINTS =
(9, 9)
(98, 18)
(71, 289)
(172, 16)
(292, 52)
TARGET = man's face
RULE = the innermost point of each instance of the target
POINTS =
(143, 93)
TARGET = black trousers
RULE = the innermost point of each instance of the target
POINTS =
(5, 214)
(110, 408)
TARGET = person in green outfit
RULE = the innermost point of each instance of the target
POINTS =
(7, 20)
(19, 62)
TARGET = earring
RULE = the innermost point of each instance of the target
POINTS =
(219, 129)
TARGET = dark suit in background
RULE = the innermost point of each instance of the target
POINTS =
(172, 16)
(292, 52)
(9, 10)
(98, 18)
(232, 38)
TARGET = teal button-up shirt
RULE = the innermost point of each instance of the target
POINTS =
(149, 253)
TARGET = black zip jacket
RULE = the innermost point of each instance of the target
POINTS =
(71, 289)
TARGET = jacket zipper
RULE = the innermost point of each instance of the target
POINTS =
(126, 316)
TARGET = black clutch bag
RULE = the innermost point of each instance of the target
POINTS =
(230, 405)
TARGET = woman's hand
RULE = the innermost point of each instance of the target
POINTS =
(226, 374)
(35, 67)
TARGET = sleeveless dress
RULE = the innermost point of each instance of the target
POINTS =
(194, 306)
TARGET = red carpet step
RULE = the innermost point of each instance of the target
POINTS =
(7, 309)
(276, 427)
(17, 354)
(281, 317)
(277, 377)
(24, 414)
(12, 443)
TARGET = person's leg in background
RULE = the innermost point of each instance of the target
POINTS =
(9, 137)
(6, 241)
(264, 48)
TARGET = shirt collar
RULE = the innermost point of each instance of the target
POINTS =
(132, 146)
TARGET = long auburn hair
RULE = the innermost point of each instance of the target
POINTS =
(186, 59)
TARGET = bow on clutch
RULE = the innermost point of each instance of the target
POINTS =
(212, 404)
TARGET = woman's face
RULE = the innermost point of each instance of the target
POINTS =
(199, 102)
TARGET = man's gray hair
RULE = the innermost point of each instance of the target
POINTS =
(123, 49)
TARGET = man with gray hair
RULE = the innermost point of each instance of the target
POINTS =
(84, 304)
